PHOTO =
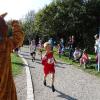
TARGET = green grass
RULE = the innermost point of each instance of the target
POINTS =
(17, 64)
(90, 68)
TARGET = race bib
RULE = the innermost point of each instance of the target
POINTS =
(50, 60)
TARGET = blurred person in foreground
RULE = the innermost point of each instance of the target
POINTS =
(7, 45)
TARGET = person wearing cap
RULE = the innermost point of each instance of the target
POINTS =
(7, 86)
(49, 63)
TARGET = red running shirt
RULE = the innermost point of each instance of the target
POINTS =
(48, 62)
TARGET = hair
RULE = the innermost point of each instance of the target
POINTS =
(15, 22)
(46, 44)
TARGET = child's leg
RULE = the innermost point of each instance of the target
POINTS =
(34, 54)
(31, 55)
(45, 79)
(53, 78)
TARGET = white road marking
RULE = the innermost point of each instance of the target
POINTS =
(30, 95)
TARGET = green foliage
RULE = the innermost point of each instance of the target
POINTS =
(63, 18)
(28, 25)
(16, 64)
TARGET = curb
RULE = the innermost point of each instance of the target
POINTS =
(30, 95)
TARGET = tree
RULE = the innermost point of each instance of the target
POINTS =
(28, 25)
(63, 18)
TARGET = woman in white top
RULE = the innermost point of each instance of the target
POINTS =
(98, 53)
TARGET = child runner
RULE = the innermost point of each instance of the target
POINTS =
(48, 61)
(33, 49)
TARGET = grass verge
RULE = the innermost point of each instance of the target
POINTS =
(17, 64)
(90, 68)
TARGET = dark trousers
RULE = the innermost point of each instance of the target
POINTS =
(71, 53)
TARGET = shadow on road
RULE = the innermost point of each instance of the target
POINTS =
(23, 65)
(27, 58)
(24, 54)
(63, 95)
(59, 66)
(60, 62)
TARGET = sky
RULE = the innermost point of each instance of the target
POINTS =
(17, 9)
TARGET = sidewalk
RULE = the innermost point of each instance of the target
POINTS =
(21, 86)
(70, 83)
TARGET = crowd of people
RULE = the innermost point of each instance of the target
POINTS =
(75, 52)
(8, 44)
(47, 60)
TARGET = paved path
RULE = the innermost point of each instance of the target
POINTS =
(70, 83)
(21, 85)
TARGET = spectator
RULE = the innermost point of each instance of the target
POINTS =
(51, 42)
(33, 49)
(77, 54)
(71, 44)
(59, 50)
(98, 54)
(84, 59)
(62, 42)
